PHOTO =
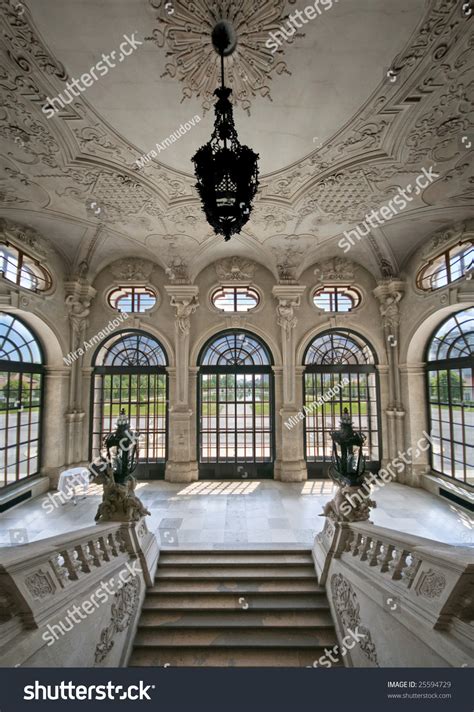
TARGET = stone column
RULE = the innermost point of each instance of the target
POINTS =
(54, 435)
(389, 293)
(182, 464)
(290, 465)
(413, 377)
(79, 296)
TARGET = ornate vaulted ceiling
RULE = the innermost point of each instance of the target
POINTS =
(363, 98)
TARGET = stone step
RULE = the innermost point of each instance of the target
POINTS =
(157, 600)
(223, 657)
(203, 573)
(242, 559)
(231, 608)
(228, 637)
(238, 617)
(230, 585)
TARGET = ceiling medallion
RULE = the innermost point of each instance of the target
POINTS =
(226, 171)
(190, 56)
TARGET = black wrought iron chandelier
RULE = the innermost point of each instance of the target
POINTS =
(226, 171)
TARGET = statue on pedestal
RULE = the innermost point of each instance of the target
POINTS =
(119, 501)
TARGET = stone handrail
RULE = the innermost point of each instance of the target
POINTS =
(435, 580)
(40, 578)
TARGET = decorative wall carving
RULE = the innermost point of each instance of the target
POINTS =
(335, 269)
(235, 269)
(123, 609)
(40, 584)
(286, 312)
(186, 34)
(348, 611)
(431, 584)
(25, 237)
(131, 270)
(185, 307)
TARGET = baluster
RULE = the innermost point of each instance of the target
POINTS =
(374, 552)
(119, 538)
(103, 546)
(366, 548)
(112, 545)
(72, 563)
(356, 544)
(348, 541)
(58, 564)
(85, 558)
(398, 563)
(409, 572)
(385, 557)
(95, 552)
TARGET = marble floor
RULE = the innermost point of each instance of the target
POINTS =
(264, 513)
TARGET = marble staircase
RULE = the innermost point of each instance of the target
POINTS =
(258, 608)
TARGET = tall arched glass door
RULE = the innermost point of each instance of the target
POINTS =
(21, 399)
(339, 368)
(130, 373)
(236, 438)
(450, 376)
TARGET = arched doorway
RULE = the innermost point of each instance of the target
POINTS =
(235, 407)
(130, 373)
(450, 384)
(339, 370)
(21, 400)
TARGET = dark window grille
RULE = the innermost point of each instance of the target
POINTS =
(21, 400)
(450, 383)
(235, 400)
(332, 359)
(130, 373)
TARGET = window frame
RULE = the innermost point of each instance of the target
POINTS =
(447, 265)
(25, 368)
(22, 257)
(338, 288)
(258, 362)
(436, 367)
(149, 466)
(124, 287)
(250, 288)
(317, 465)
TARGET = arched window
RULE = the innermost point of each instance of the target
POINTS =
(235, 299)
(339, 370)
(130, 373)
(449, 266)
(336, 299)
(21, 269)
(235, 407)
(21, 390)
(132, 299)
(450, 374)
